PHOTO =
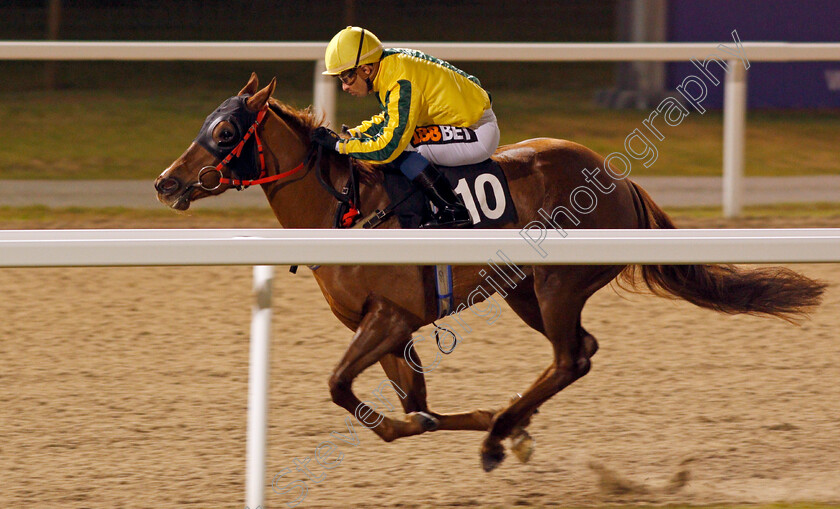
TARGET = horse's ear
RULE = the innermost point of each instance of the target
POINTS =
(252, 86)
(257, 101)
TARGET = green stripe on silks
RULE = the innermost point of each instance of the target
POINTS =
(429, 58)
(403, 107)
(375, 129)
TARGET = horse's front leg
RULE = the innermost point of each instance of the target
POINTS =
(413, 397)
(385, 329)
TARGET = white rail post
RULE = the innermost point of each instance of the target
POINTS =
(323, 88)
(258, 387)
(734, 128)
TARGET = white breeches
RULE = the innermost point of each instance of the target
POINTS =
(454, 146)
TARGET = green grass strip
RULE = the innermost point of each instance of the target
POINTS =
(135, 134)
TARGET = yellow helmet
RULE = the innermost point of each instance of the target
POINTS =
(351, 48)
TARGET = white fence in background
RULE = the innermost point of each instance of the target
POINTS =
(324, 89)
(61, 248)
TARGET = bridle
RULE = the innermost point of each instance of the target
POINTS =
(236, 152)
(349, 197)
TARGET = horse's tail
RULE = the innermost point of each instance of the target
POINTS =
(775, 291)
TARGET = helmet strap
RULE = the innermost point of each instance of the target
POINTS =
(359, 51)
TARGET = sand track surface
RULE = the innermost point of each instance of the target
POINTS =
(126, 387)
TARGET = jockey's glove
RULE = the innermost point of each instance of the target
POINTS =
(326, 138)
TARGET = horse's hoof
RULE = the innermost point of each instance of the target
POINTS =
(522, 446)
(426, 421)
(492, 456)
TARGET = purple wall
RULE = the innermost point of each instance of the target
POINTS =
(769, 85)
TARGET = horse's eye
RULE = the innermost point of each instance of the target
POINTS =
(224, 133)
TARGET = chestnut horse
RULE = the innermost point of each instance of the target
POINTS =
(384, 305)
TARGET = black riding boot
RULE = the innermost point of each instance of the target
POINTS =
(451, 210)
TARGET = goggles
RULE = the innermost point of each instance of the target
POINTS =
(348, 77)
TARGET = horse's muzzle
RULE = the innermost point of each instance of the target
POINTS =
(172, 193)
(167, 186)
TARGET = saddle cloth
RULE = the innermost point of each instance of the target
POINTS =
(482, 186)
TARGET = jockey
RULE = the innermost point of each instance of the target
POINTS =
(432, 113)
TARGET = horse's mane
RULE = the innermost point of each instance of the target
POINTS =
(305, 121)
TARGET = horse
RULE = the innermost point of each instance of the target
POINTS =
(384, 305)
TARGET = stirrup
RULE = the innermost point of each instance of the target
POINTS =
(438, 222)
(463, 223)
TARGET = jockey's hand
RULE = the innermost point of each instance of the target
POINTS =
(326, 138)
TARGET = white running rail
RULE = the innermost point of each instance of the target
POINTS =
(65, 248)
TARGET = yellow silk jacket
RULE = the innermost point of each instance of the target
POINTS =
(414, 89)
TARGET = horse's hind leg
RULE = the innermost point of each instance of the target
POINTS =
(560, 293)
(590, 344)
(523, 301)
(565, 369)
